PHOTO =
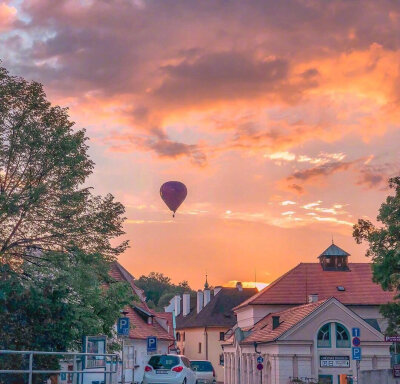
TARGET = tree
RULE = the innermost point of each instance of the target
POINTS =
(384, 249)
(56, 306)
(159, 289)
(55, 234)
(43, 166)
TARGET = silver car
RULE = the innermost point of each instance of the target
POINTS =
(168, 369)
(204, 371)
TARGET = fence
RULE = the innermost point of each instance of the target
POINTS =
(108, 366)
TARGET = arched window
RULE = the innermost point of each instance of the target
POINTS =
(324, 336)
(342, 337)
(178, 336)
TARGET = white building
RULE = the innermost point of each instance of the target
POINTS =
(144, 323)
(297, 322)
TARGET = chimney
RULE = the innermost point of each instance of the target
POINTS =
(275, 322)
(217, 289)
(239, 286)
(186, 304)
(177, 308)
(199, 300)
(313, 298)
(207, 296)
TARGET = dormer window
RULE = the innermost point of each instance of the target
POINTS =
(340, 288)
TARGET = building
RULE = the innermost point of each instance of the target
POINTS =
(302, 323)
(201, 322)
(144, 323)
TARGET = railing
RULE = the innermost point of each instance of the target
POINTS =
(78, 364)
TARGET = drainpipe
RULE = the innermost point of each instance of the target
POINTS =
(206, 334)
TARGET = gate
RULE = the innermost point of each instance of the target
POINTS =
(83, 366)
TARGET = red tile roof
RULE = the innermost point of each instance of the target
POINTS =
(309, 278)
(139, 327)
(262, 332)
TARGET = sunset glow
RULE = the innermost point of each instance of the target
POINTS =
(281, 118)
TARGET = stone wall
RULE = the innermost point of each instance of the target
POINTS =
(379, 376)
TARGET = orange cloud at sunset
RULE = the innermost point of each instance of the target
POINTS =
(282, 119)
(7, 16)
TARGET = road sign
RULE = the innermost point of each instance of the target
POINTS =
(392, 339)
(260, 359)
(356, 341)
(356, 353)
(356, 332)
(123, 326)
(396, 370)
(260, 366)
(151, 344)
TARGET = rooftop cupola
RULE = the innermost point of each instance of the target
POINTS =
(334, 259)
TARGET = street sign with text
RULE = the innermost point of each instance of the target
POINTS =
(123, 326)
(356, 353)
(151, 344)
(393, 339)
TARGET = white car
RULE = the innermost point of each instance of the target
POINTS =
(168, 369)
(204, 371)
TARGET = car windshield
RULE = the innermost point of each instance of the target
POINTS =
(163, 361)
(201, 366)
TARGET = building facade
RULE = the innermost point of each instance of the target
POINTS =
(144, 323)
(311, 341)
(301, 324)
(201, 322)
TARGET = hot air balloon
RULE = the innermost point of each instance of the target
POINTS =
(173, 193)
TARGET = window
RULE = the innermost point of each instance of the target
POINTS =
(178, 336)
(199, 347)
(221, 359)
(325, 379)
(163, 361)
(340, 288)
(324, 336)
(186, 362)
(342, 337)
(183, 336)
(222, 336)
(201, 366)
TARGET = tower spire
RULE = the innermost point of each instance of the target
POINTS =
(206, 285)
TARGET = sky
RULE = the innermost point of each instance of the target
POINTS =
(281, 118)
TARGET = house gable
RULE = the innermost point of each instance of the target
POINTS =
(331, 311)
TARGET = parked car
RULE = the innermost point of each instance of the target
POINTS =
(168, 369)
(204, 371)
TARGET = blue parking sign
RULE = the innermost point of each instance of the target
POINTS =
(123, 326)
(356, 353)
(151, 344)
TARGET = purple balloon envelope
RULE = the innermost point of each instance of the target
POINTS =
(173, 193)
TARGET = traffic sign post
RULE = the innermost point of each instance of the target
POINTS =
(123, 326)
(260, 366)
(356, 350)
(260, 360)
(356, 353)
(151, 344)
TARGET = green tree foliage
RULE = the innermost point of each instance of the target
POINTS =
(384, 249)
(55, 234)
(53, 307)
(159, 289)
(43, 165)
